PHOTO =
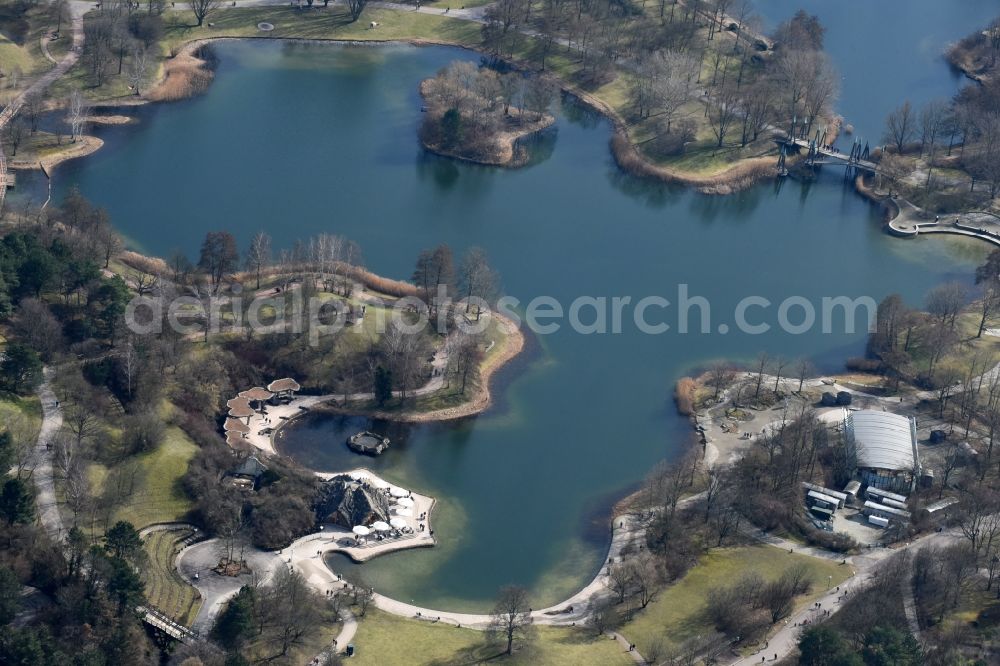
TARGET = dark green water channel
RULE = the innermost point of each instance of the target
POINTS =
(300, 139)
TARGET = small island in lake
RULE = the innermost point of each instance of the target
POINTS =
(477, 114)
(368, 443)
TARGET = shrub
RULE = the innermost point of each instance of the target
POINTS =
(861, 364)
(684, 396)
(675, 141)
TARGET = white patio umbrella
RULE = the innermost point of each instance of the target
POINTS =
(398, 523)
(408, 513)
(405, 501)
(396, 491)
(361, 530)
(380, 526)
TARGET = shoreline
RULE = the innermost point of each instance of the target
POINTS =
(902, 219)
(742, 175)
(478, 403)
(964, 60)
(504, 143)
(84, 146)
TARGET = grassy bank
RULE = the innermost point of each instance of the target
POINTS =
(677, 613)
(157, 496)
(49, 150)
(320, 23)
(387, 639)
(21, 407)
(21, 56)
(704, 165)
(165, 589)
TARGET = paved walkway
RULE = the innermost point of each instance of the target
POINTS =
(77, 10)
(262, 433)
(195, 564)
(912, 221)
(624, 642)
(52, 418)
(910, 604)
(786, 639)
(469, 14)
(572, 611)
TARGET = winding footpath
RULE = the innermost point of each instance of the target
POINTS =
(303, 554)
(52, 419)
(911, 221)
(77, 10)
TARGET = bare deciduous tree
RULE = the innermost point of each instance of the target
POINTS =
(901, 126)
(355, 7)
(511, 616)
(202, 9)
(258, 255)
(76, 114)
(138, 67)
(477, 280)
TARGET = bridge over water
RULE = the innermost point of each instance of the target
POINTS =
(818, 155)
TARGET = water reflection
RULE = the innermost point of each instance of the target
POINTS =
(516, 487)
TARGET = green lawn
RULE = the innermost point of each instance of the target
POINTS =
(385, 640)
(966, 327)
(677, 613)
(321, 23)
(158, 496)
(15, 57)
(165, 589)
(456, 4)
(331, 23)
(12, 406)
(23, 52)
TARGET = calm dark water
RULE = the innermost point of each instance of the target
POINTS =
(299, 139)
(889, 50)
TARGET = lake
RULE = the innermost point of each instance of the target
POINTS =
(298, 139)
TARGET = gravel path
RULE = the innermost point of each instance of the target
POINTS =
(195, 564)
(48, 508)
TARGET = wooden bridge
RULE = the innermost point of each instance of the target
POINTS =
(156, 619)
(818, 155)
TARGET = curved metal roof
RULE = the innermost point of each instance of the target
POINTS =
(882, 440)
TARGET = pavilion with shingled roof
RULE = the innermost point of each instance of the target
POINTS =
(257, 394)
(284, 388)
(240, 408)
(235, 440)
(236, 425)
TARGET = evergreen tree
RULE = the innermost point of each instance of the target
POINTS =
(235, 623)
(17, 502)
(123, 541)
(383, 386)
(823, 646)
(21, 368)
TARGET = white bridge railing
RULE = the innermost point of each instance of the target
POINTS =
(3, 179)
